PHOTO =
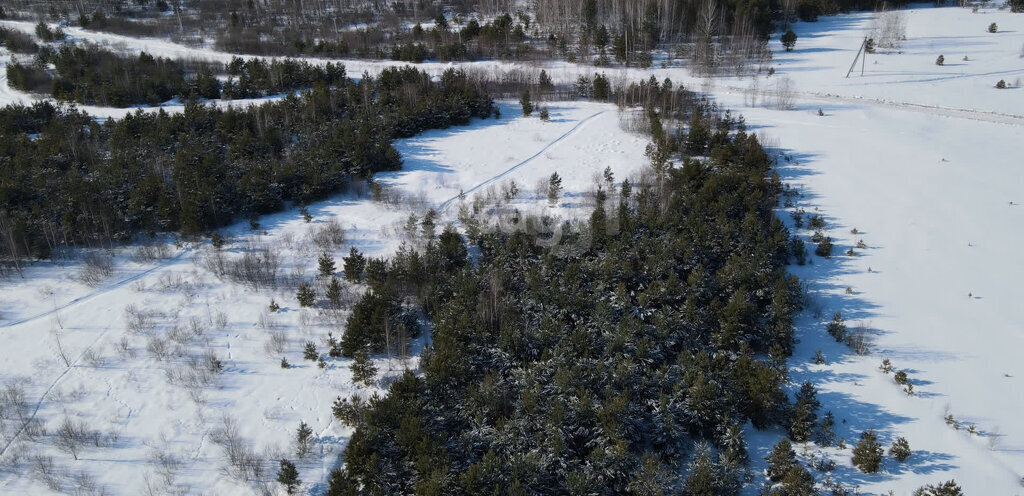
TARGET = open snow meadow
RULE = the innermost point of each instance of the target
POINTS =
(168, 373)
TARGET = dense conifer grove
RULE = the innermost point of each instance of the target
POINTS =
(90, 74)
(67, 179)
(616, 356)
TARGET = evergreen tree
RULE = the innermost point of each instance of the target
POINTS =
(303, 440)
(900, 450)
(326, 264)
(554, 188)
(781, 460)
(826, 431)
(544, 81)
(804, 413)
(306, 295)
(824, 248)
(867, 455)
(288, 476)
(526, 103)
(837, 328)
(355, 264)
(363, 370)
(789, 40)
(334, 292)
(948, 488)
(309, 352)
(798, 482)
(702, 480)
(545, 116)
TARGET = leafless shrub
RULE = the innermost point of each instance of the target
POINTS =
(785, 93)
(124, 348)
(196, 327)
(214, 261)
(266, 321)
(150, 252)
(220, 320)
(256, 268)
(243, 463)
(73, 435)
(167, 465)
(179, 335)
(94, 357)
(171, 281)
(45, 471)
(634, 121)
(14, 406)
(158, 348)
(328, 235)
(138, 321)
(85, 485)
(96, 266)
(859, 340)
(889, 29)
(276, 344)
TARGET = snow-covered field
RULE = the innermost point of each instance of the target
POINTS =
(923, 160)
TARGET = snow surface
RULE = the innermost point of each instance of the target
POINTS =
(922, 160)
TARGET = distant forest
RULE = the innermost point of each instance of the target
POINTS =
(90, 74)
(708, 32)
(67, 179)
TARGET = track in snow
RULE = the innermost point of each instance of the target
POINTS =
(977, 115)
(106, 289)
(445, 204)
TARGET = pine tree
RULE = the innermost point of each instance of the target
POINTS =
(326, 264)
(288, 475)
(306, 295)
(363, 370)
(334, 292)
(702, 480)
(545, 116)
(900, 450)
(948, 488)
(554, 188)
(781, 459)
(837, 328)
(824, 248)
(544, 81)
(734, 448)
(798, 482)
(789, 40)
(309, 352)
(526, 103)
(334, 345)
(303, 440)
(355, 264)
(804, 413)
(867, 455)
(826, 431)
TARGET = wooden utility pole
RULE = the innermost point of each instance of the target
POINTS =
(863, 45)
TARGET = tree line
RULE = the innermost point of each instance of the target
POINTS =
(67, 179)
(90, 74)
